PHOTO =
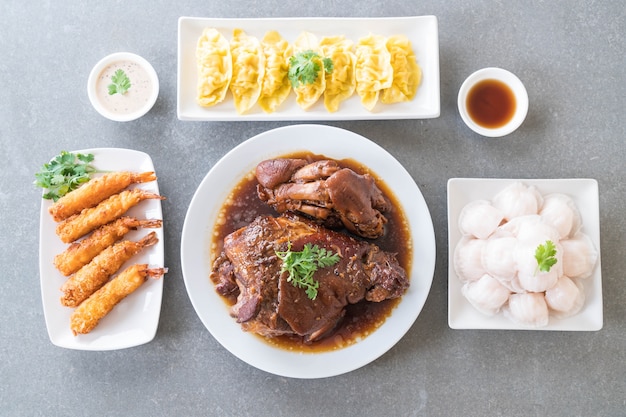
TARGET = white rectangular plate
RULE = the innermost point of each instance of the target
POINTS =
(422, 31)
(133, 321)
(584, 192)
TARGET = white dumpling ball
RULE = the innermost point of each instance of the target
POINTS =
(517, 199)
(479, 219)
(533, 229)
(561, 211)
(512, 226)
(468, 259)
(487, 295)
(498, 257)
(566, 298)
(533, 232)
(579, 256)
(528, 309)
(528, 274)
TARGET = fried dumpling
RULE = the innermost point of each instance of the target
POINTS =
(215, 67)
(308, 94)
(248, 70)
(341, 82)
(407, 74)
(276, 85)
(374, 72)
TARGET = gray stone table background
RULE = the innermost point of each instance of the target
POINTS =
(570, 54)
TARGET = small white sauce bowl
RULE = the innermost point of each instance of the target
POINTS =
(100, 67)
(514, 83)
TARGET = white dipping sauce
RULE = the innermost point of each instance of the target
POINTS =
(135, 98)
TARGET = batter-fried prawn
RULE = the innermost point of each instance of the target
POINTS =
(95, 191)
(87, 316)
(78, 254)
(96, 273)
(106, 211)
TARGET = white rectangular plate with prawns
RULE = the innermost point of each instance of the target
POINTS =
(421, 31)
(135, 319)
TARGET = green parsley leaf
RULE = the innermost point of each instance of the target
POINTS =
(546, 256)
(120, 83)
(302, 265)
(305, 66)
(66, 172)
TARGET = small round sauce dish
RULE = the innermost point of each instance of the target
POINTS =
(493, 102)
(123, 86)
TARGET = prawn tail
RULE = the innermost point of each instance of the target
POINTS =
(155, 273)
(148, 240)
(150, 223)
(140, 177)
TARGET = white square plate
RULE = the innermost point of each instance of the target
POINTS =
(133, 321)
(584, 192)
(422, 31)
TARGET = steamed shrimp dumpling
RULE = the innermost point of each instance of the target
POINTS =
(560, 211)
(341, 81)
(276, 85)
(529, 275)
(407, 74)
(215, 67)
(566, 297)
(248, 70)
(528, 309)
(531, 232)
(374, 72)
(468, 259)
(487, 295)
(517, 199)
(513, 226)
(579, 256)
(534, 228)
(479, 219)
(498, 257)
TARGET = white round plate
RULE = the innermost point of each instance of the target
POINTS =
(199, 222)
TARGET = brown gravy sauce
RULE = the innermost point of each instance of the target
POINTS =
(243, 205)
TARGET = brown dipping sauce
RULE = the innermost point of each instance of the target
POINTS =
(243, 206)
(491, 103)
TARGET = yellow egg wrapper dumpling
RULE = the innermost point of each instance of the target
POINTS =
(307, 95)
(248, 70)
(341, 82)
(306, 41)
(214, 65)
(407, 74)
(373, 69)
(276, 85)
